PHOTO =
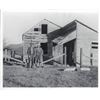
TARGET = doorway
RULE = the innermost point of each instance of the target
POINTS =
(44, 47)
(69, 49)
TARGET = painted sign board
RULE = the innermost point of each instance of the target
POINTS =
(35, 38)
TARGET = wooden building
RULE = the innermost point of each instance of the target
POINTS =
(38, 35)
(76, 40)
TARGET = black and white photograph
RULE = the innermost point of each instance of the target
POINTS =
(50, 49)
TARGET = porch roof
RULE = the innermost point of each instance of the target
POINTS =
(62, 32)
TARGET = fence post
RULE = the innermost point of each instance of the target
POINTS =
(80, 57)
(91, 60)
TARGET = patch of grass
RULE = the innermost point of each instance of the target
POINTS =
(17, 76)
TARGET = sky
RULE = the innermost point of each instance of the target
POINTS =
(17, 23)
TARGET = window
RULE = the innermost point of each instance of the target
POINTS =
(36, 29)
(44, 28)
(94, 45)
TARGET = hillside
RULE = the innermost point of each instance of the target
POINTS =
(18, 48)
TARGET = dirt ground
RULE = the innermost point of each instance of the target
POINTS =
(18, 76)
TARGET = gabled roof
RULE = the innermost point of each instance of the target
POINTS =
(42, 21)
(64, 31)
(53, 23)
(86, 26)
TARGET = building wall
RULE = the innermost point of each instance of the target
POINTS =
(85, 37)
(69, 37)
(58, 50)
(51, 27)
(35, 37)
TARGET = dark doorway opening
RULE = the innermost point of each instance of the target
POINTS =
(70, 52)
(44, 47)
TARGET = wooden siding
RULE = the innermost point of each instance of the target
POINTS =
(85, 36)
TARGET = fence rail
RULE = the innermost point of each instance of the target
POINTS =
(52, 58)
(91, 58)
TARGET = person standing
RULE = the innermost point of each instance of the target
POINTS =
(29, 53)
(33, 57)
(39, 56)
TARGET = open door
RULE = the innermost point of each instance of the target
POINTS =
(69, 49)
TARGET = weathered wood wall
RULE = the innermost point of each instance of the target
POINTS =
(85, 37)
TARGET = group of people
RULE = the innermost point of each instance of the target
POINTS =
(35, 56)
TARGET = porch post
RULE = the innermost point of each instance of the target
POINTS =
(80, 57)
(65, 55)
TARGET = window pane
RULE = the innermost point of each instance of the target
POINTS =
(36, 29)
